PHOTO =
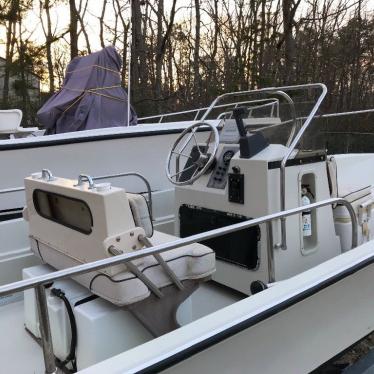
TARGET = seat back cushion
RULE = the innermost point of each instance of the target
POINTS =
(140, 211)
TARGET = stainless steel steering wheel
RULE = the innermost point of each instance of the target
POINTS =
(189, 167)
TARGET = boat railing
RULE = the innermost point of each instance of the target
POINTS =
(39, 283)
(85, 178)
(274, 102)
(274, 109)
(327, 115)
(323, 116)
(294, 137)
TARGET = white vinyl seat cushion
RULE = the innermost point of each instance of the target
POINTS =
(194, 261)
(344, 183)
(352, 196)
(140, 212)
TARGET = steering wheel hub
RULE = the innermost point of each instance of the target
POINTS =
(182, 168)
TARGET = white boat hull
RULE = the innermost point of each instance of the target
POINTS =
(141, 149)
(293, 327)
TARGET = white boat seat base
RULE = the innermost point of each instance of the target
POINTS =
(192, 262)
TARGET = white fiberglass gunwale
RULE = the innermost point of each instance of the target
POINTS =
(150, 129)
(179, 345)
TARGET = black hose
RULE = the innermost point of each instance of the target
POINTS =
(73, 344)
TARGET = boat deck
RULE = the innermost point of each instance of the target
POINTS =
(21, 353)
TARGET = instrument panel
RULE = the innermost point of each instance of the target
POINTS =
(218, 178)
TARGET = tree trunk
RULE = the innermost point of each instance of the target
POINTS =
(126, 28)
(289, 10)
(139, 57)
(83, 27)
(24, 88)
(73, 29)
(196, 58)
(8, 62)
(49, 41)
(159, 53)
(262, 44)
(102, 24)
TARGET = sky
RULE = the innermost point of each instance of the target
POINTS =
(60, 19)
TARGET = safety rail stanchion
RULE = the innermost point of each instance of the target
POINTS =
(45, 330)
(295, 141)
(270, 251)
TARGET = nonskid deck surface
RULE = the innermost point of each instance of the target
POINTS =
(20, 353)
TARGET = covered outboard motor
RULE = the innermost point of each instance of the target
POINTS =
(91, 96)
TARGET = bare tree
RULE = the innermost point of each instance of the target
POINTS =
(9, 17)
(49, 39)
(80, 14)
(73, 29)
(102, 26)
(289, 8)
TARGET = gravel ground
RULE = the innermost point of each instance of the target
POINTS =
(356, 352)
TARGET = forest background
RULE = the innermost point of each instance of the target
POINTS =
(186, 52)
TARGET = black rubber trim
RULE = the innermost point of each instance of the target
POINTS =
(86, 300)
(297, 161)
(143, 270)
(37, 246)
(204, 344)
(89, 138)
(11, 210)
(9, 214)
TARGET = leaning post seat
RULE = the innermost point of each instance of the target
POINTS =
(349, 182)
(72, 223)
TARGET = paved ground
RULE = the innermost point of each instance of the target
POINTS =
(353, 355)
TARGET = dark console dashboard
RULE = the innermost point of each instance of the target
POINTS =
(219, 176)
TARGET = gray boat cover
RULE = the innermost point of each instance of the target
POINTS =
(91, 96)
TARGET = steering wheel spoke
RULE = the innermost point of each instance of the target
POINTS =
(180, 172)
(181, 154)
(196, 142)
(201, 160)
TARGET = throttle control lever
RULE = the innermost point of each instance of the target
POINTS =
(252, 143)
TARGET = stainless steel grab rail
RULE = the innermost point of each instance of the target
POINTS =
(197, 111)
(328, 115)
(331, 115)
(39, 282)
(132, 174)
(295, 141)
